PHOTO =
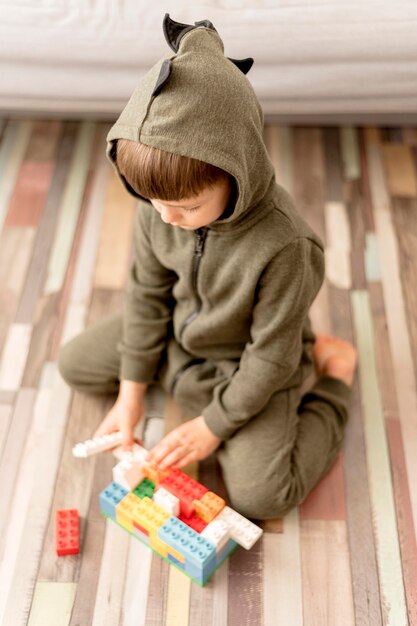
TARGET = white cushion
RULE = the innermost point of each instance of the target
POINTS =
(82, 57)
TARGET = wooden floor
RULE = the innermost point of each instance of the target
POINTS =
(348, 555)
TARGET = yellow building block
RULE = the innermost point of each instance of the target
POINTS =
(126, 510)
(150, 515)
(163, 548)
(209, 506)
(157, 544)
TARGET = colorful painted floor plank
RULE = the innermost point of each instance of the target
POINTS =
(382, 499)
(348, 554)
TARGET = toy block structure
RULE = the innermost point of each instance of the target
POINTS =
(182, 521)
(67, 532)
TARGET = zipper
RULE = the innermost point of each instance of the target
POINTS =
(200, 234)
(200, 238)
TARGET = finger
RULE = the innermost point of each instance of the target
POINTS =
(173, 457)
(163, 453)
(158, 452)
(104, 429)
(188, 458)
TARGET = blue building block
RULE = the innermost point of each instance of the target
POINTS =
(199, 553)
(110, 497)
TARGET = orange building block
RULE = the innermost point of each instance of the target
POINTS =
(209, 506)
(154, 473)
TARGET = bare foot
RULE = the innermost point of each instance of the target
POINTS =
(334, 357)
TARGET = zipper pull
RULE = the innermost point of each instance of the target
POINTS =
(201, 234)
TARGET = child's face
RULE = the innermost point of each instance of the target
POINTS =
(195, 212)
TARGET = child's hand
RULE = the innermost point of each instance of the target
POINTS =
(123, 416)
(192, 441)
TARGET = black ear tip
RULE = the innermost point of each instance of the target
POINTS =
(243, 64)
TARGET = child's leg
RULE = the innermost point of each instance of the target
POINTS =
(271, 464)
(90, 361)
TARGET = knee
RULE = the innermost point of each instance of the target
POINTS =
(263, 500)
(67, 365)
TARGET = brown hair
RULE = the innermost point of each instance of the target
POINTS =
(155, 173)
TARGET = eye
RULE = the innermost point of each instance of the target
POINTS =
(193, 209)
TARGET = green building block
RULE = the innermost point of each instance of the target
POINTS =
(145, 488)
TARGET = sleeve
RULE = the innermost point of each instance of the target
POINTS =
(286, 289)
(148, 307)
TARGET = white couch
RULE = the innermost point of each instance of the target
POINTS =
(331, 60)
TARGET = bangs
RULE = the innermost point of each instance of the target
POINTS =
(155, 173)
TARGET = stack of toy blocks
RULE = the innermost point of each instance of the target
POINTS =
(180, 519)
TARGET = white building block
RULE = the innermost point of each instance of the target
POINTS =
(128, 473)
(244, 532)
(218, 532)
(167, 500)
(137, 451)
(99, 444)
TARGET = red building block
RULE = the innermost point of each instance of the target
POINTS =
(67, 532)
(185, 488)
(195, 522)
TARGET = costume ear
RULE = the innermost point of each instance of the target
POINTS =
(163, 77)
(205, 23)
(174, 31)
(243, 64)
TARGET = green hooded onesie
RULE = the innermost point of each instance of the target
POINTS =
(219, 314)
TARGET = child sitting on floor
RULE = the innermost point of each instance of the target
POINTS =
(225, 270)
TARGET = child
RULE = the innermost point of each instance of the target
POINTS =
(224, 273)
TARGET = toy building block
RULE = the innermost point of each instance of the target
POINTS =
(209, 506)
(110, 497)
(145, 488)
(128, 509)
(167, 501)
(143, 518)
(136, 451)
(67, 532)
(128, 473)
(149, 516)
(244, 532)
(99, 444)
(194, 522)
(154, 473)
(199, 553)
(185, 488)
(218, 532)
